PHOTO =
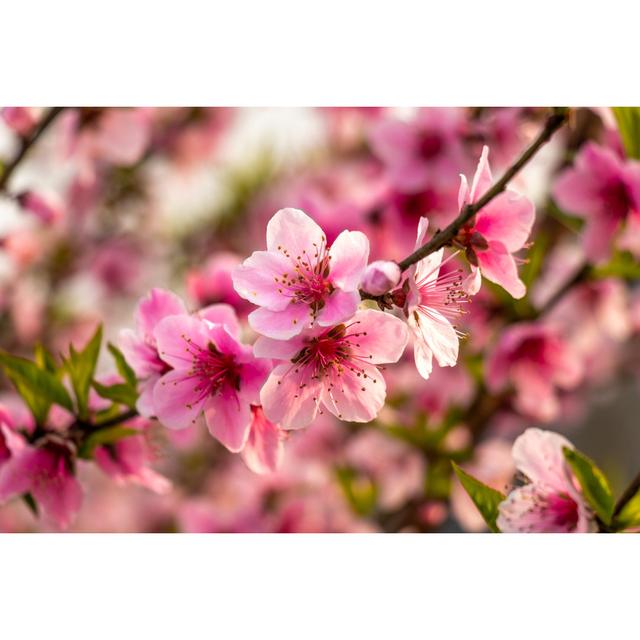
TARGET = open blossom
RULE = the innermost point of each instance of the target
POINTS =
(424, 151)
(140, 348)
(211, 373)
(127, 460)
(433, 301)
(551, 501)
(299, 280)
(497, 231)
(603, 189)
(536, 361)
(335, 367)
(46, 472)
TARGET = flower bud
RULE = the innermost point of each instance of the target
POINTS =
(381, 276)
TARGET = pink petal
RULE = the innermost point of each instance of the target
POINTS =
(141, 356)
(253, 375)
(223, 314)
(290, 396)
(349, 256)
(264, 448)
(144, 405)
(355, 398)
(598, 236)
(423, 226)
(177, 399)
(472, 282)
(428, 269)
(293, 231)
(538, 454)
(423, 357)
(277, 349)
(498, 265)
(508, 218)
(228, 418)
(463, 192)
(437, 334)
(177, 336)
(577, 193)
(482, 180)
(339, 307)
(382, 338)
(259, 279)
(281, 325)
(158, 304)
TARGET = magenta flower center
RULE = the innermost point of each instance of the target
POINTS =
(212, 369)
(617, 199)
(307, 282)
(563, 510)
(430, 145)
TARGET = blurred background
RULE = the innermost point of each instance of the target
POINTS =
(112, 202)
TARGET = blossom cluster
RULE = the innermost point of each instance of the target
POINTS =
(389, 359)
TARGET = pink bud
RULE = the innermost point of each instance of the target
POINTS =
(380, 276)
(46, 207)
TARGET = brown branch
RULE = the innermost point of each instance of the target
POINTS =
(26, 144)
(629, 492)
(445, 237)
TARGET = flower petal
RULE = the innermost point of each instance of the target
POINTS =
(177, 399)
(349, 256)
(294, 232)
(498, 265)
(339, 307)
(381, 337)
(228, 418)
(281, 325)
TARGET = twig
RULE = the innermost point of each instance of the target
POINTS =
(629, 492)
(26, 144)
(444, 237)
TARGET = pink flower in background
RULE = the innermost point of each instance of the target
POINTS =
(264, 448)
(212, 373)
(127, 460)
(140, 348)
(424, 151)
(212, 282)
(21, 119)
(335, 367)
(551, 502)
(47, 207)
(536, 361)
(299, 280)
(603, 189)
(497, 231)
(46, 472)
(433, 301)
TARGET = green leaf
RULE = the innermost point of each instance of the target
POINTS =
(119, 392)
(39, 388)
(359, 491)
(628, 119)
(102, 437)
(45, 360)
(81, 366)
(593, 482)
(629, 515)
(123, 366)
(484, 497)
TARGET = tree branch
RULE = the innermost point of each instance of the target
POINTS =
(26, 144)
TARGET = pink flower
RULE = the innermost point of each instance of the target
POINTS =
(425, 151)
(140, 348)
(212, 282)
(433, 301)
(21, 119)
(497, 231)
(604, 190)
(335, 367)
(551, 502)
(381, 276)
(46, 472)
(46, 207)
(264, 448)
(212, 372)
(536, 361)
(127, 460)
(299, 280)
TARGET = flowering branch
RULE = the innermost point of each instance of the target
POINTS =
(446, 236)
(26, 143)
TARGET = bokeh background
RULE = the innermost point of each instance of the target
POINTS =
(130, 199)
